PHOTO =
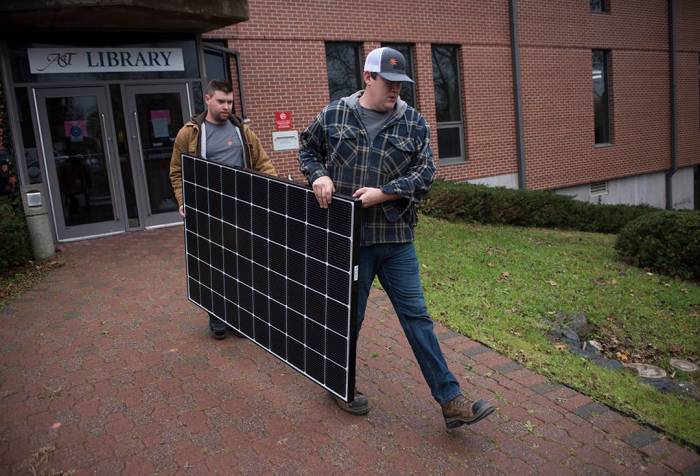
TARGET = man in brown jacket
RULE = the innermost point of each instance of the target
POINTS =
(218, 136)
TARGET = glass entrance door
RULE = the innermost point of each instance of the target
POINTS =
(76, 133)
(154, 115)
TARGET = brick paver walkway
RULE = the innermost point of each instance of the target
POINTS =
(108, 364)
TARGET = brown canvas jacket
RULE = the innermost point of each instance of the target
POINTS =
(187, 142)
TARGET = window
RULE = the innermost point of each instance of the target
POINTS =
(31, 156)
(600, 6)
(344, 69)
(216, 65)
(408, 90)
(222, 63)
(448, 103)
(602, 96)
(198, 98)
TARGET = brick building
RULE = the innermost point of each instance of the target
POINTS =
(284, 49)
(572, 96)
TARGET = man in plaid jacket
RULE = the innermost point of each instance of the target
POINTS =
(376, 148)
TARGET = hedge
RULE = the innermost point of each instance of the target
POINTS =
(15, 248)
(497, 205)
(665, 241)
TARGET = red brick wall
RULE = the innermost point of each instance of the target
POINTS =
(559, 117)
(291, 36)
(556, 46)
(688, 108)
(489, 117)
(632, 24)
(452, 21)
(283, 65)
(688, 81)
(281, 77)
(687, 28)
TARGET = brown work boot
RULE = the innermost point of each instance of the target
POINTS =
(460, 411)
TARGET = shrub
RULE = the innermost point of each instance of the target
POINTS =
(665, 241)
(479, 203)
(14, 242)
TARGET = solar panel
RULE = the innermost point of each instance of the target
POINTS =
(264, 258)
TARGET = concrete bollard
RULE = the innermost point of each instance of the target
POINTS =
(38, 222)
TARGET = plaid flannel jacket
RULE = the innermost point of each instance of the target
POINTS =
(399, 161)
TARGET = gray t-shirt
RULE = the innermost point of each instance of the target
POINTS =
(223, 144)
(373, 120)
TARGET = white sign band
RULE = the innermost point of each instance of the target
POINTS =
(104, 60)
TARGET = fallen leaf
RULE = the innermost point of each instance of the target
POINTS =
(551, 282)
(675, 348)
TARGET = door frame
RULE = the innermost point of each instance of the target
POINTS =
(147, 219)
(63, 232)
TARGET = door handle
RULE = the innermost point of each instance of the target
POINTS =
(115, 207)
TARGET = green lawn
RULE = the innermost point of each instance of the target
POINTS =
(502, 286)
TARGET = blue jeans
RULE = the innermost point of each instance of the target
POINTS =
(397, 267)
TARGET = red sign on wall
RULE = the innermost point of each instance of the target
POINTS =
(283, 120)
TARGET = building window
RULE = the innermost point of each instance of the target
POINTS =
(600, 6)
(31, 154)
(344, 68)
(408, 90)
(216, 61)
(448, 103)
(221, 63)
(602, 96)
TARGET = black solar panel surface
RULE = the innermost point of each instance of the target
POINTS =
(264, 258)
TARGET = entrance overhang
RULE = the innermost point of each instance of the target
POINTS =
(146, 15)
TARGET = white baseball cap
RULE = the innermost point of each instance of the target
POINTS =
(388, 63)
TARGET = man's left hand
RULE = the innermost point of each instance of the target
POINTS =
(371, 196)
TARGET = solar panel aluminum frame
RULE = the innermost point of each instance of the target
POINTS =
(193, 215)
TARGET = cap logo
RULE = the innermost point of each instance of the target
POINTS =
(393, 61)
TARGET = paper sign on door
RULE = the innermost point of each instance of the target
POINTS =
(75, 130)
(160, 120)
